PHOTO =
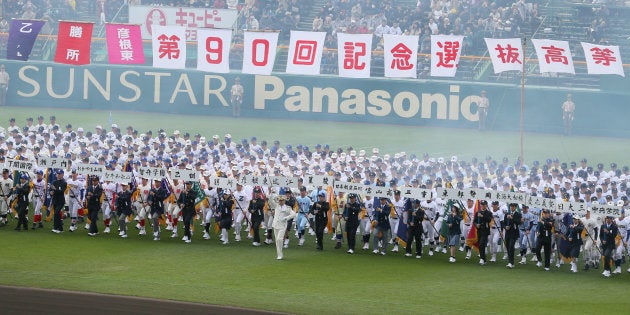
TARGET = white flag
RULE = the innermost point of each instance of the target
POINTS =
(602, 59)
(506, 54)
(445, 53)
(400, 55)
(354, 55)
(553, 56)
(213, 50)
(305, 52)
(169, 46)
(259, 52)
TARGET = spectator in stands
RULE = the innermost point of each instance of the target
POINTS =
(4, 25)
(252, 23)
(318, 23)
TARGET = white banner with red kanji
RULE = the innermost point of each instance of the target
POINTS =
(169, 47)
(305, 52)
(73, 43)
(259, 52)
(553, 56)
(400, 55)
(354, 55)
(213, 50)
(445, 53)
(506, 54)
(602, 59)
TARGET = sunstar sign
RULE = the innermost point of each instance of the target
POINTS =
(148, 88)
(285, 96)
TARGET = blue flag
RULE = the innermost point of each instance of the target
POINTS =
(22, 35)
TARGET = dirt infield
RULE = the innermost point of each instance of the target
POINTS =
(21, 300)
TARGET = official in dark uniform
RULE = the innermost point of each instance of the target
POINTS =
(224, 212)
(93, 195)
(382, 227)
(511, 224)
(482, 220)
(156, 198)
(186, 202)
(57, 191)
(22, 190)
(319, 210)
(351, 216)
(574, 236)
(607, 233)
(257, 210)
(543, 238)
(123, 208)
(415, 230)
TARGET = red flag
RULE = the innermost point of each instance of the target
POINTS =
(472, 240)
(73, 43)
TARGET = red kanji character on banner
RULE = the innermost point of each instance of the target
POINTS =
(603, 56)
(352, 53)
(555, 54)
(508, 54)
(305, 52)
(448, 54)
(401, 54)
(169, 46)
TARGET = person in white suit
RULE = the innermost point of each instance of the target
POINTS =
(283, 213)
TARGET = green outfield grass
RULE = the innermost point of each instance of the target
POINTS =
(389, 138)
(306, 282)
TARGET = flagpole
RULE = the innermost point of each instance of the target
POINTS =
(524, 40)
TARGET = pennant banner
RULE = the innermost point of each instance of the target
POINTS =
(305, 52)
(603, 59)
(259, 52)
(553, 56)
(400, 55)
(213, 50)
(124, 44)
(73, 43)
(445, 53)
(169, 47)
(355, 54)
(506, 54)
(22, 35)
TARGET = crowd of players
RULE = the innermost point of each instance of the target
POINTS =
(172, 204)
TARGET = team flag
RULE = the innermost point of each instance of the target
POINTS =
(602, 59)
(73, 43)
(472, 239)
(401, 233)
(444, 227)
(22, 35)
(124, 44)
(259, 52)
(332, 201)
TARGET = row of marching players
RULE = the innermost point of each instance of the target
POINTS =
(436, 223)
